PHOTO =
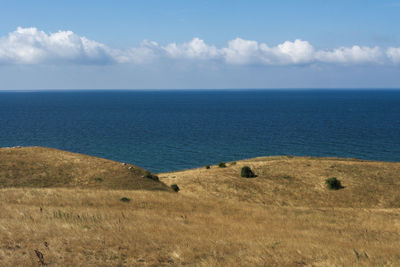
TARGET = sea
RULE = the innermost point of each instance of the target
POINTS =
(168, 130)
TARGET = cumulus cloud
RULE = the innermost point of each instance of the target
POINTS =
(32, 46)
(393, 54)
(297, 52)
(355, 54)
(195, 49)
(241, 51)
(146, 53)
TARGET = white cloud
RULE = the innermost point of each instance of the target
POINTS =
(146, 53)
(297, 52)
(393, 53)
(241, 51)
(32, 46)
(351, 55)
(195, 49)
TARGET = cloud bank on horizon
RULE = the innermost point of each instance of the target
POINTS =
(32, 46)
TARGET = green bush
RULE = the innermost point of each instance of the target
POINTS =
(151, 176)
(233, 163)
(222, 165)
(247, 172)
(125, 199)
(175, 187)
(98, 179)
(333, 183)
(208, 166)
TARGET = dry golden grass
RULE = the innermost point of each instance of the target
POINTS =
(217, 219)
(94, 228)
(296, 181)
(47, 167)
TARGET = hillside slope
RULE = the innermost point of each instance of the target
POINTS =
(73, 227)
(284, 217)
(47, 167)
(296, 181)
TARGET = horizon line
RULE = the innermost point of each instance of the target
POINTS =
(208, 89)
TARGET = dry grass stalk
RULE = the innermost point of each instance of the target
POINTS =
(40, 257)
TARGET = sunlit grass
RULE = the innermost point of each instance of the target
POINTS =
(286, 216)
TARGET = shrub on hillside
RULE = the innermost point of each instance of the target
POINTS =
(222, 165)
(98, 179)
(125, 199)
(208, 166)
(333, 183)
(151, 176)
(247, 172)
(175, 187)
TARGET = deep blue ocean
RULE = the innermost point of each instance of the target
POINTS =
(172, 130)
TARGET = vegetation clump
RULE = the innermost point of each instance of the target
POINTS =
(125, 199)
(175, 187)
(208, 167)
(98, 179)
(233, 163)
(151, 176)
(333, 183)
(247, 172)
(222, 165)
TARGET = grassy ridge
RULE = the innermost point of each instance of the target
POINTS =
(296, 181)
(47, 167)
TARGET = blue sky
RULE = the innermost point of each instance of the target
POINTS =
(199, 44)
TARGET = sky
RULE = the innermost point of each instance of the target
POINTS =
(187, 44)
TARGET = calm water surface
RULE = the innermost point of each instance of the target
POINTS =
(172, 130)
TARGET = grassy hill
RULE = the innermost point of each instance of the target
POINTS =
(47, 167)
(284, 217)
(296, 181)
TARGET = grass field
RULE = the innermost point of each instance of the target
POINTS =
(40, 167)
(284, 217)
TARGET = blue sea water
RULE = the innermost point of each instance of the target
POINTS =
(172, 130)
